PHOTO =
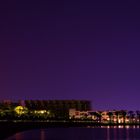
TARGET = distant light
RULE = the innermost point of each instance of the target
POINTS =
(20, 110)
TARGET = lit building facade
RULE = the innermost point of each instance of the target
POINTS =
(60, 108)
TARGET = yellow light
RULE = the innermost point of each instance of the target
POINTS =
(20, 110)
(48, 112)
(119, 120)
(40, 111)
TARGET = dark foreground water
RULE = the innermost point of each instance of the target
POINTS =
(117, 133)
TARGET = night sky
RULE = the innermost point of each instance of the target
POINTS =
(71, 49)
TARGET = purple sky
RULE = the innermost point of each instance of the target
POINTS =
(71, 49)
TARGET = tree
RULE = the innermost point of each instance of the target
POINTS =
(110, 115)
(117, 113)
(99, 116)
(123, 113)
(138, 115)
(131, 116)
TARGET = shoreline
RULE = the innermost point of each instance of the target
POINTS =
(64, 123)
(9, 128)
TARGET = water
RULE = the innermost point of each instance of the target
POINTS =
(119, 133)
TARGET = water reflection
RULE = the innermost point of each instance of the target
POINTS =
(102, 133)
(127, 133)
(18, 136)
(114, 133)
(42, 134)
(108, 134)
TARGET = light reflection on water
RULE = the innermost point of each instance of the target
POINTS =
(90, 133)
(42, 136)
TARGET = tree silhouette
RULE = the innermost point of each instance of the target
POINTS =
(110, 115)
